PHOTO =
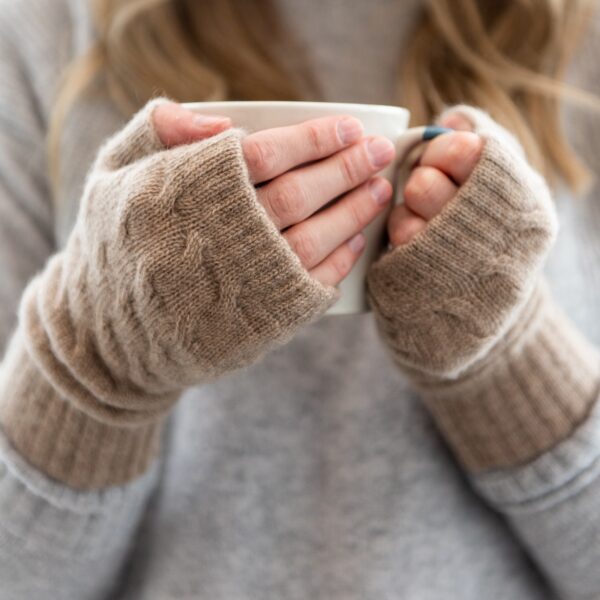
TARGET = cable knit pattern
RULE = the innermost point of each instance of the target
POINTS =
(532, 391)
(173, 275)
(445, 299)
(315, 472)
(464, 313)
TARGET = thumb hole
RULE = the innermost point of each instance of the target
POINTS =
(176, 125)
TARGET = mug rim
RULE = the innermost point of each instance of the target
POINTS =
(354, 106)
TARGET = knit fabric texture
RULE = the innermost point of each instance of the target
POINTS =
(322, 470)
(173, 275)
(445, 301)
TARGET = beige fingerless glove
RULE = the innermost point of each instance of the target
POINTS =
(464, 313)
(173, 275)
(444, 300)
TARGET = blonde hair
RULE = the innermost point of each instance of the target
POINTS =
(507, 57)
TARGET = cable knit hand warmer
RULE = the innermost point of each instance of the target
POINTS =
(172, 276)
(464, 312)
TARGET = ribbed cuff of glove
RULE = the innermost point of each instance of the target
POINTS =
(58, 438)
(529, 393)
(462, 312)
(173, 275)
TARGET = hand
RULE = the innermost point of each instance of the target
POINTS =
(174, 273)
(342, 163)
(446, 163)
(176, 125)
(467, 249)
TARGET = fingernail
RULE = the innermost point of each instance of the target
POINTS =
(204, 120)
(380, 151)
(349, 129)
(380, 191)
(357, 242)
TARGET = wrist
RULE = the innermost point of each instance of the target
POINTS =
(531, 391)
(59, 439)
(520, 324)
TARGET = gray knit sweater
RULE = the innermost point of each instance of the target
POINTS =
(317, 471)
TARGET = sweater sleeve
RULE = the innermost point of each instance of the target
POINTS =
(55, 542)
(525, 426)
(552, 498)
(522, 418)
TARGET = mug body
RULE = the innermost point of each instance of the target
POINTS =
(389, 121)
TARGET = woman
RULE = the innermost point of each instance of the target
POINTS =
(178, 418)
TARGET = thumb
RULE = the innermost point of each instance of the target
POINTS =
(176, 125)
(481, 122)
(456, 121)
(159, 124)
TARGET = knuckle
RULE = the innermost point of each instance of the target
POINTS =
(317, 138)
(159, 120)
(341, 263)
(356, 214)
(463, 145)
(418, 184)
(260, 156)
(287, 200)
(350, 168)
(401, 233)
(306, 247)
(425, 176)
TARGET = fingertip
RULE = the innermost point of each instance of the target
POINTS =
(381, 189)
(380, 151)
(205, 121)
(404, 225)
(172, 121)
(168, 111)
(349, 129)
(205, 128)
(177, 125)
(457, 121)
(408, 231)
(455, 154)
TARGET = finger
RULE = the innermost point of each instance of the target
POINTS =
(456, 121)
(297, 194)
(456, 154)
(136, 140)
(339, 263)
(274, 151)
(176, 125)
(404, 225)
(427, 191)
(317, 237)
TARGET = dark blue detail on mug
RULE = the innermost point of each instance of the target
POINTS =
(432, 131)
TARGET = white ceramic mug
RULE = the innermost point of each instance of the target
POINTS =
(389, 121)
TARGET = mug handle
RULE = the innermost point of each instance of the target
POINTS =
(413, 136)
(406, 142)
